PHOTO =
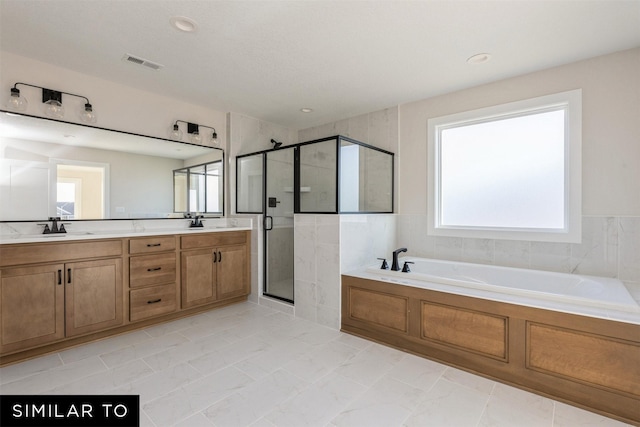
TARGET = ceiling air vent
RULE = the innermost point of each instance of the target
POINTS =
(141, 61)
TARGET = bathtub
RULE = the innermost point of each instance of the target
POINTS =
(587, 291)
(571, 337)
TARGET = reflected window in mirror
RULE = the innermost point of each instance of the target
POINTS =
(198, 189)
(80, 189)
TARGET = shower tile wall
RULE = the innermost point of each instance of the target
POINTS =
(327, 245)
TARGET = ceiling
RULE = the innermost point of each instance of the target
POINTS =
(269, 59)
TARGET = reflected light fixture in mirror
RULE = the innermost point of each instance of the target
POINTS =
(52, 100)
(193, 131)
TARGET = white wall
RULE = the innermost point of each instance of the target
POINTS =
(610, 136)
(610, 244)
(118, 107)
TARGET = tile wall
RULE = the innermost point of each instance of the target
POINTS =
(610, 248)
(326, 246)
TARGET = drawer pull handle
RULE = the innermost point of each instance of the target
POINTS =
(68, 275)
(154, 269)
(151, 245)
(219, 256)
(154, 301)
(59, 277)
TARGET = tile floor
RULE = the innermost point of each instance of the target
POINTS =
(247, 365)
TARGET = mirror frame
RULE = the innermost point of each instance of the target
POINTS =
(222, 159)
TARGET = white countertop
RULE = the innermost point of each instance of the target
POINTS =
(31, 232)
(69, 236)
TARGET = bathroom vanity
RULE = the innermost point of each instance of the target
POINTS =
(61, 291)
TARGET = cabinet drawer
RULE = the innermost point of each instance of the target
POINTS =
(153, 269)
(207, 240)
(154, 301)
(152, 244)
(59, 251)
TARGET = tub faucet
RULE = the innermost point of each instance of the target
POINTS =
(394, 265)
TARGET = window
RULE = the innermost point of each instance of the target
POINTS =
(512, 171)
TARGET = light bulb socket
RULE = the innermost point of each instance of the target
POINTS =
(16, 101)
(176, 133)
(87, 115)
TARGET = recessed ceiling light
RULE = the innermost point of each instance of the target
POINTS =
(184, 24)
(480, 58)
(306, 110)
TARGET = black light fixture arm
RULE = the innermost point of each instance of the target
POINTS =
(48, 94)
(194, 127)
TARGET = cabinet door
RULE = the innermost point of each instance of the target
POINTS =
(198, 277)
(31, 306)
(232, 271)
(93, 296)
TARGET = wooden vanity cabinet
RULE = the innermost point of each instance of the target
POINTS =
(215, 267)
(59, 294)
(31, 306)
(43, 301)
(152, 277)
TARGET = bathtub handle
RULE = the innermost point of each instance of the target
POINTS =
(384, 265)
(405, 267)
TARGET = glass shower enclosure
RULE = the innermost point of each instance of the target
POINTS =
(326, 176)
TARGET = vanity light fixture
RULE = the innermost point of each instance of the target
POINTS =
(53, 103)
(193, 130)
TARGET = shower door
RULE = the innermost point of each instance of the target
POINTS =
(278, 224)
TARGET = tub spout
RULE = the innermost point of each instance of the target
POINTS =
(394, 265)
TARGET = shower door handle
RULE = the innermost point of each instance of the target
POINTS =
(270, 222)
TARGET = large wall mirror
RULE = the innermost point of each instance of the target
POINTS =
(53, 168)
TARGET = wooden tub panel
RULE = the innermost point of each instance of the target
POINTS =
(379, 309)
(469, 330)
(594, 359)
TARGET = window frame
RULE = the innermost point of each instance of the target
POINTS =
(571, 102)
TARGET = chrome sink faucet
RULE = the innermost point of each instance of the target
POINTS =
(394, 264)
